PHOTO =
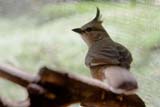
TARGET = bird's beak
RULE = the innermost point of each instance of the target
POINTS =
(77, 30)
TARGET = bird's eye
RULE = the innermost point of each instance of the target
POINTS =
(89, 29)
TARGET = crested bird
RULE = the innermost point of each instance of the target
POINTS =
(107, 60)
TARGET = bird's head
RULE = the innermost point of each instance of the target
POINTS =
(93, 30)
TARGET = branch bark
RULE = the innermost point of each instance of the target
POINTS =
(16, 75)
(58, 88)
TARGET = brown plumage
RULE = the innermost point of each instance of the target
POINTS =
(108, 61)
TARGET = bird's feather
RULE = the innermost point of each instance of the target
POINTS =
(108, 55)
(120, 80)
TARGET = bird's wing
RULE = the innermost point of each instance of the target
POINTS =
(107, 55)
(125, 56)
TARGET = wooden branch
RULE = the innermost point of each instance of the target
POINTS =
(58, 88)
(69, 88)
(16, 75)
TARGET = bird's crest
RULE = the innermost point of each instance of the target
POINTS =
(93, 25)
(98, 16)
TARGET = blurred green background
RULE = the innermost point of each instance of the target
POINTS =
(34, 33)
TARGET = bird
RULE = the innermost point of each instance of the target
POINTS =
(108, 60)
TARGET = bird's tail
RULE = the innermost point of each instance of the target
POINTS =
(120, 80)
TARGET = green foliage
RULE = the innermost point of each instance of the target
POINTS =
(51, 12)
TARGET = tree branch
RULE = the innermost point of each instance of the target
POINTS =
(16, 75)
(58, 88)
(69, 88)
